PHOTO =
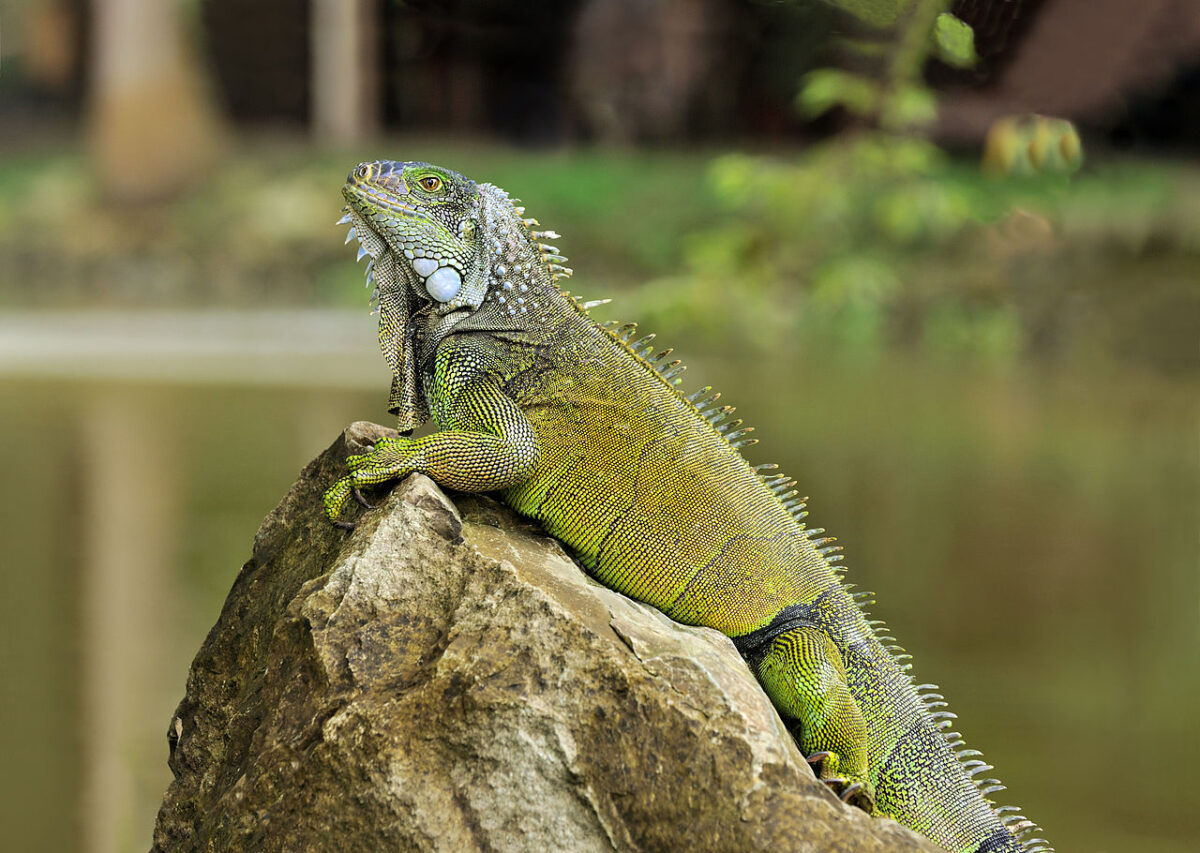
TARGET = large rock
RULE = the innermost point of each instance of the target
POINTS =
(444, 681)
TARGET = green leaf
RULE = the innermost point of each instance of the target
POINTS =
(909, 107)
(955, 41)
(825, 88)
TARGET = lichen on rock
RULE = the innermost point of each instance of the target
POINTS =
(445, 677)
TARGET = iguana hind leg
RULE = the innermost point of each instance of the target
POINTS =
(802, 672)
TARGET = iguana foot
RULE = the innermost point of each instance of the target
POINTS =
(804, 674)
(389, 459)
(858, 793)
(853, 794)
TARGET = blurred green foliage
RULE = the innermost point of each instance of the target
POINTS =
(877, 13)
(883, 240)
(955, 41)
(261, 230)
(889, 91)
(855, 245)
(825, 88)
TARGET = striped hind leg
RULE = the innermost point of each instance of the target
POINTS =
(802, 672)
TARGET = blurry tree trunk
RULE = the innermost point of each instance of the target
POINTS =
(130, 512)
(51, 51)
(153, 128)
(344, 78)
(639, 69)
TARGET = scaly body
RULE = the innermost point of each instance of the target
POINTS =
(579, 427)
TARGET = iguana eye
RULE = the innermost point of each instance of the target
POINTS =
(430, 183)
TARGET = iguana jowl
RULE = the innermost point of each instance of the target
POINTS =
(580, 426)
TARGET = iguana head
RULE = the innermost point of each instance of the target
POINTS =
(428, 218)
(447, 254)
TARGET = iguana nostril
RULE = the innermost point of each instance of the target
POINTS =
(393, 183)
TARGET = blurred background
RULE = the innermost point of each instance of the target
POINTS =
(945, 256)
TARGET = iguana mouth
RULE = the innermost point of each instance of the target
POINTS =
(441, 279)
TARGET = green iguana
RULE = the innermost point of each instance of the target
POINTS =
(580, 426)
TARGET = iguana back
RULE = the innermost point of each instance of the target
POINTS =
(581, 428)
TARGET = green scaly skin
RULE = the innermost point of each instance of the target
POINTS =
(577, 425)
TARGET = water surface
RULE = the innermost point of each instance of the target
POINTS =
(1030, 534)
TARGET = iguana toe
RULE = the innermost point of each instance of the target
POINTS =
(856, 794)
(853, 793)
(817, 757)
(335, 499)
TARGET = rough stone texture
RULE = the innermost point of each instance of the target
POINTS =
(437, 681)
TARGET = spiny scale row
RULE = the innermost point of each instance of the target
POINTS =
(1020, 826)
(555, 261)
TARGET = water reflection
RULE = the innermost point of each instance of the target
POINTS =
(1030, 535)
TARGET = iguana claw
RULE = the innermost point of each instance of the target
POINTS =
(362, 501)
(850, 791)
(853, 793)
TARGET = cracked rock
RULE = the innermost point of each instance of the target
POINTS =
(445, 678)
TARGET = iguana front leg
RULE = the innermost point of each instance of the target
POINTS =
(487, 444)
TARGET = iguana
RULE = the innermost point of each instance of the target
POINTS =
(580, 426)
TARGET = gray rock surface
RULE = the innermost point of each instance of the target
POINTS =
(446, 678)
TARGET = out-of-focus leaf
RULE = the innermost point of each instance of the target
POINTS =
(850, 296)
(854, 280)
(1033, 144)
(1070, 147)
(863, 47)
(734, 178)
(1055, 146)
(877, 13)
(1006, 148)
(908, 107)
(825, 88)
(921, 210)
(955, 41)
